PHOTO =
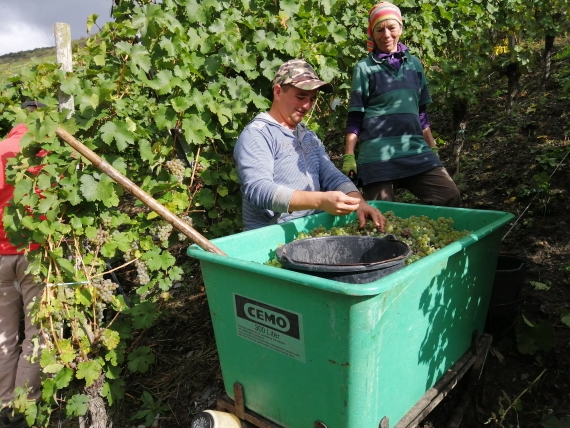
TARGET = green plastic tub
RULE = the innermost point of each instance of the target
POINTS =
(311, 349)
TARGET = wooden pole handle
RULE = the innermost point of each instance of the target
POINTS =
(144, 197)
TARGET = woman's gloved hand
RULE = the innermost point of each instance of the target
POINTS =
(348, 164)
(435, 150)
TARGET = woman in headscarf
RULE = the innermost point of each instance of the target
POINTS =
(387, 116)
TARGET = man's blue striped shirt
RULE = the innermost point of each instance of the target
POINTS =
(273, 161)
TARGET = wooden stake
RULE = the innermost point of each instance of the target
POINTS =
(62, 34)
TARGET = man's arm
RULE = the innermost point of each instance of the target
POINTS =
(332, 202)
(254, 157)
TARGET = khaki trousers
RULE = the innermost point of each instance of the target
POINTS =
(17, 291)
(433, 187)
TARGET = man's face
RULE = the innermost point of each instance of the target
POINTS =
(293, 104)
(386, 35)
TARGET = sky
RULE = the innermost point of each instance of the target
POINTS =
(28, 24)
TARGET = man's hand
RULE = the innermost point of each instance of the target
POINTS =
(338, 203)
(332, 202)
(348, 164)
(365, 211)
(368, 211)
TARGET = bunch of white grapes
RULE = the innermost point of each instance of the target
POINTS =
(104, 234)
(102, 237)
(106, 222)
(176, 168)
(162, 231)
(141, 267)
(424, 235)
(188, 220)
(198, 166)
(142, 272)
(129, 254)
(99, 337)
(105, 288)
(99, 309)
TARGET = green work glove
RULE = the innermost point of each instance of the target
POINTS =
(348, 164)
(435, 150)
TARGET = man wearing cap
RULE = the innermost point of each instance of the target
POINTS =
(283, 167)
(387, 117)
(17, 291)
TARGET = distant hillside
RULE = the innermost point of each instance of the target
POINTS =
(13, 57)
(12, 62)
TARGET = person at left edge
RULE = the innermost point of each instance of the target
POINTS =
(17, 291)
(283, 167)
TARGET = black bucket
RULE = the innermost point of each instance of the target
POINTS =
(510, 276)
(351, 259)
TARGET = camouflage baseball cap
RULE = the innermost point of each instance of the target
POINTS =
(32, 103)
(299, 73)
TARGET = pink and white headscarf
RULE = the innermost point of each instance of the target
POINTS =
(381, 12)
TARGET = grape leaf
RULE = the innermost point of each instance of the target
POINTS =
(143, 314)
(22, 188)
(70, 190)
(49, 388)
(205, 198)
(77, 405)
(180, 104)
(140, 59)
(119, 132)
(168, 46)
(195, 130)
(102, 190)
(83, 296)
(91, 20)
(156, 259)
(67, 267)
(140, 359)
(162, 82)
(113, 390)
(67, 353)
(48, 357)
(539, 286)
(290, 7)
(111, 339)
(175, 273)
(52, 368)
(63, 378)
(88, 370)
